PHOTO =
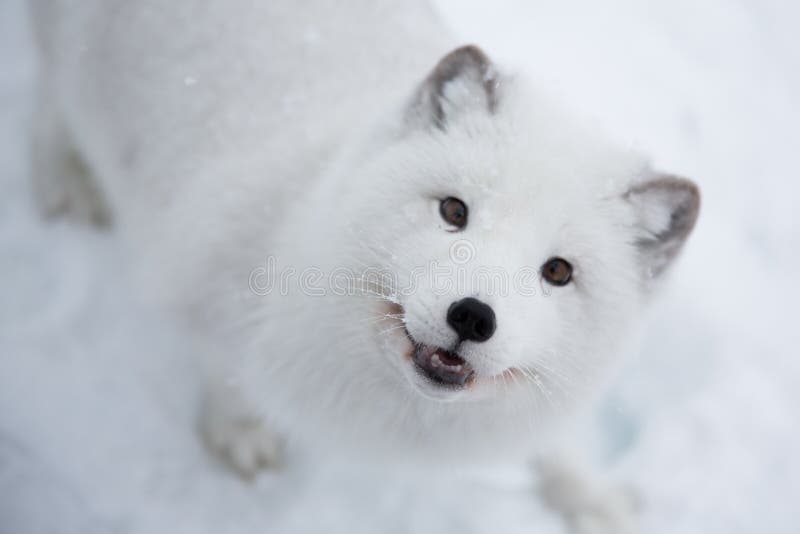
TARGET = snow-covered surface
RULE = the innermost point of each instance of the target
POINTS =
(96, 429)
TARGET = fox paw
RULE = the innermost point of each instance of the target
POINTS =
(613, 513)
(246, 445)
(589, 506)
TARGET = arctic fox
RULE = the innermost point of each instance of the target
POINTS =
(291, 176)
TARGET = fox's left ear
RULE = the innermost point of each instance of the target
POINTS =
(666, 209)
(463, 79)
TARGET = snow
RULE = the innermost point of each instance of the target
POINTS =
(96, 429)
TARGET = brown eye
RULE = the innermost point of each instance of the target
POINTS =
(454, 212)
(557, 271)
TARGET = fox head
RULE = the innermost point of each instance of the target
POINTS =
(498, 253)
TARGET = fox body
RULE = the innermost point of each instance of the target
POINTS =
(235, 141)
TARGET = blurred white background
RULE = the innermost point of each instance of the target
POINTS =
(96, 435)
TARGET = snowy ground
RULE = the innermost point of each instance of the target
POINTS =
(95, 435)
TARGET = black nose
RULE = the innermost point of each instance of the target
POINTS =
(471, 319)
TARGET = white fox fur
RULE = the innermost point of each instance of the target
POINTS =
(320, 134)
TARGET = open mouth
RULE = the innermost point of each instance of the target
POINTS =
(443, 370)
(441, 366)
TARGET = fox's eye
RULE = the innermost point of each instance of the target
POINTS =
(454, 212)
(557, 271)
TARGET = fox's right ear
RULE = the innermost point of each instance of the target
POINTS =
(464, 79)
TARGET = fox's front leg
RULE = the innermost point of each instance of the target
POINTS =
(235, 432)
(588, 504)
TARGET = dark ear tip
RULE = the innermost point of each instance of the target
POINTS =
(690, 198)
(687, 192)
(470, 52)
(462, 59)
